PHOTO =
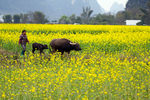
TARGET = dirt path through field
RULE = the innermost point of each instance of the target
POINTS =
(5, 52)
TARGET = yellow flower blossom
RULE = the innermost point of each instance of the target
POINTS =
(3, 95)
(114, 63)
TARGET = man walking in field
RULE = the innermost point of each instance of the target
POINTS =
(23, 40)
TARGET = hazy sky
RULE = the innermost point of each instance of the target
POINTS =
(106, 4)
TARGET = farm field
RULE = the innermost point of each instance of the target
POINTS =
(114, 63)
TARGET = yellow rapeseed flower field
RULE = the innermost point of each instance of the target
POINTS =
(114, 63)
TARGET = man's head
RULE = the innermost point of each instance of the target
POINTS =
(24, 32)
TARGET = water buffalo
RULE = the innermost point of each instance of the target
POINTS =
(63, 45)
(38, 46)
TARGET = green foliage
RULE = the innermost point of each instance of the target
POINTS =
(103, 19)
(16, 18)
(86, 14)
(84, 18)
(64, 20)
(39, 17)
(24, 18)
(7, 18)
(30, 17)
(72, 19)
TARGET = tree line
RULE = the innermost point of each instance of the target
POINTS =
(85, 17)
(136, 13)
(31, 17)
(97, 19)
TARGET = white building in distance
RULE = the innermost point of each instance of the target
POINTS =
(132, 22)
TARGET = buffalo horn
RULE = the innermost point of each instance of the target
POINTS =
(72, 43)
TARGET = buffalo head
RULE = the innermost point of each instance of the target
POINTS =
(76, 46)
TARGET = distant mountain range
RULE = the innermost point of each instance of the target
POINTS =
(52, 8)
(135, 4)
(133, 7)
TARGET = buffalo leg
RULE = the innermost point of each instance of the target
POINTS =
(41, 51)
(68, 52)
(33, 50)
(53, 51)
(62, 52)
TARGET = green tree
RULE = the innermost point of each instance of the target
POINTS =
(24, 18)
(27, 18)
(78, 20)
(64, 20)
(103, 19)
(7, 18)
(86, 15)
(72, 19)
(16, 18)
(39, 17)
(121, 17)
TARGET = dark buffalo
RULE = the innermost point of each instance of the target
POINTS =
(63, 45)
(38, 46)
